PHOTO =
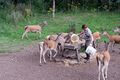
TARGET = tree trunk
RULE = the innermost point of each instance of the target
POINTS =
(53, 8)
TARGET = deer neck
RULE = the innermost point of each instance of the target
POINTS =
(107, 45)
(108, 35)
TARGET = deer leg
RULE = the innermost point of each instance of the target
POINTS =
(55, 53)
(24, 34)
(112, 45)
(106, 69)
(40, 58)
(99, 69)
(44, 52)
(62, 48)
(59, 49)
(50, 55)
(103, 72)
(40, 50)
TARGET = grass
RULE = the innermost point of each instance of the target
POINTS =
(10, 36)
(11, 45)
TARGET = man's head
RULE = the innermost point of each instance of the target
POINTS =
(84, 26)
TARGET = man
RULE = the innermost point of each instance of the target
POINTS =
(87, 35)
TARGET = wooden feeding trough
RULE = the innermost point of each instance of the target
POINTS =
(72, 50)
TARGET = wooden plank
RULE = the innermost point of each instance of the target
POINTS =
(78, 59)
(74, 47)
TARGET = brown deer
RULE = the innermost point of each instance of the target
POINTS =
(103, 59)
(34, 28)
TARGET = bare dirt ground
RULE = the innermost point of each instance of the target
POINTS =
(24, 65)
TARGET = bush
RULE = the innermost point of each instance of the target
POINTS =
(72, 28)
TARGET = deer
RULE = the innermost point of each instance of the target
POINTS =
(112, 38)
(49, 44)
(117, 30)
(96, 37)
(103, 59)
(34, 28)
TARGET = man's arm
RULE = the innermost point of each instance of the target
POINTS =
(81, 32)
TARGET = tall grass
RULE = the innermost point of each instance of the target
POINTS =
(11, 35)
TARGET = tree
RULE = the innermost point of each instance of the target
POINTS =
(53, 8)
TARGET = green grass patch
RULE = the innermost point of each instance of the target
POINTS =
(12, 45)
(10, 35)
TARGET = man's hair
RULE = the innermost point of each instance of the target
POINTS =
(84, 26)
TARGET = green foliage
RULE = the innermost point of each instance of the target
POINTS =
(10, 36)
(72, 27)
(15, 17)
(15, 14)
(63, 5)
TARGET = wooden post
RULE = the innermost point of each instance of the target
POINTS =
(77, 55)
(53, 9)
